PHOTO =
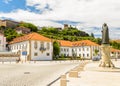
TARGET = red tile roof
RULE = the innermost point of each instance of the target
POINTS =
(84, 43)
(77, 43)
(114, 50)
(65, 43)
(31, 36)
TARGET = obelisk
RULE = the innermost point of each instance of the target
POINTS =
(105, 48)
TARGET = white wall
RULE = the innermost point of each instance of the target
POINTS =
(41, 55)
(21, 46)
(80, 51)
(66, 51)
(2, 43)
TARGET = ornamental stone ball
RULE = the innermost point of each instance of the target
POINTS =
(105, 34)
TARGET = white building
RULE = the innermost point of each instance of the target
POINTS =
(2, 42)
(83, 49)
(114, 53)
(32, 47)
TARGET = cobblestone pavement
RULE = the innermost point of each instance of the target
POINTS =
(38, 74)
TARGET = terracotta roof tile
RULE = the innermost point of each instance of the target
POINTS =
(31, 36)
(65, 43)
(114, 50)
(77, 43)
(85, 43)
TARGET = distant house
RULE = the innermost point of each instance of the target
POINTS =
(22, 30)
(84, 49)
(2, 42)
(66, 26)
(8, 23)
(32, 47)
(114, 53)
(58, 28)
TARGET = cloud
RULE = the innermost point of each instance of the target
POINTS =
(7, 1)
(92, 14)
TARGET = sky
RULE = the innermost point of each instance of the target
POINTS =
(86, 15)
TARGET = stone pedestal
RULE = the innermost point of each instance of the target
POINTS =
(105, 58)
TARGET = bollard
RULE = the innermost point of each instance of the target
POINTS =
(63, 81)
(63, 76)
(73, 73)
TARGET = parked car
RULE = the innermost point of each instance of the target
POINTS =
(96, 58)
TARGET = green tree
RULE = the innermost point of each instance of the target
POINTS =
(10, 34)
(56, 49)
(29, 25)
(96, 52)
(92, 35)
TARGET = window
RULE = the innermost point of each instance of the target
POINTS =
(48, 46)
(83, 49)
(35, 54)
(17, 46)
(42, 45)
(48, 54)
(64, 49)
(87, 49)
(80, 55)
(20, 46)
(0, 41)
(61, 49)
(79, 49)
(67, 54)
(87, 55)
(67, 50)
(83, 55)
(35, 44)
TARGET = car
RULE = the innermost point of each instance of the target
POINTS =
(96, 58)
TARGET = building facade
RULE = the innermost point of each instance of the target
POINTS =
(22, 30)
(2, 42)
(8, 23)
(84, 49)
(32, 47)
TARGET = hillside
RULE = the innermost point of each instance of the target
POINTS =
(71, 34)
(118, 40)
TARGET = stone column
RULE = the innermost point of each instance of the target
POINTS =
(105, 58)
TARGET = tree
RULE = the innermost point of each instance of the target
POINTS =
(56, 49)
(10, 34)
(92, 35)
(29, 25)
(96, 52)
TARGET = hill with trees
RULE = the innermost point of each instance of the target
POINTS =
(70, 34)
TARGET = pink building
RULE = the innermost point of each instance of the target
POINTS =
(2, 42)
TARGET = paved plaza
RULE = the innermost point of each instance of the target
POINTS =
(95, 77)
(33, 74)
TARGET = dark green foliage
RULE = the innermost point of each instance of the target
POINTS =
(92, 35)
(96, 51)
(10, 34)
(32, 27)
(115, 45)
(56, 49)
(71, 34)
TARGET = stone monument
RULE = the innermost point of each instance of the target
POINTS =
(105, 48)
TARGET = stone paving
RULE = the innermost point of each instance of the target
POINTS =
(95, 77)
(33, 74)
